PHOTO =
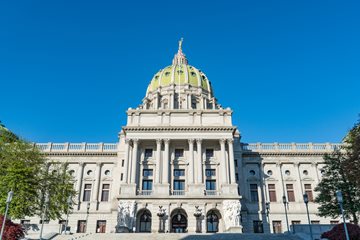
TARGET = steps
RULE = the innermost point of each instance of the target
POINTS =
(178, 236)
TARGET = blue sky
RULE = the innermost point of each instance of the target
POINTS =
(288, 69)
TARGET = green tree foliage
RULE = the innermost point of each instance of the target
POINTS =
(26, 171)
(352, 147)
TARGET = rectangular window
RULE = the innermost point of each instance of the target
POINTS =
(121, 176)
(148, 153)
(81, 227)
(210, 184)
(295, 222)
(87, 192)
(309, 192)
(315, 222)
(290, 192)
(258, 227)
(179, 172)
(209, 153)
(272, 192)
(147, 185)
(122, 162)
(179, 153)
(24, 221)
(179, 184)
(237, 176)
(101, 226)
(254, 197)
(147, 172)
(277, 227)
(46, 221)
(210, 172)
(236, 164)
(105, 192)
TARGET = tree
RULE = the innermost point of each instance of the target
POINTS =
(338, 232)
(12, 231)
(27, 172)
(352, 148)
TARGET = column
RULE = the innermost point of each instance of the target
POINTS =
(96, 182)
(127, 161)
(231, 160)
(223, 161)
(191, 164)
(158, 160)
(166, 162)
(199, 162)
(79, 179)
(296, 165)
(134, 161)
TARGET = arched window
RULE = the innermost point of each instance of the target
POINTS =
(145, 222)
(212, 221)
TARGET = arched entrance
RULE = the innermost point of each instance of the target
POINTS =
(179, 221)
(212, 221)
(144, 221)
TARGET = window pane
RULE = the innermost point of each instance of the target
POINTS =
(179, 153)
(254, 193)
(272, 192)
(290, 192)
(277, 227)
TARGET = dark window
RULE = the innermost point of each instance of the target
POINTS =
(145, 222)
(209, 153)
(309, 192)
(46, 221)
(210, 172)
(258, 226)
(179, 172)
(24, 221)
(254, 197)
(87, 192)
(105, 192)
(210, 184)
(81, 227)
(147, 185)
(315, 222)
(121, 176)
(236, 163)
(272, 192)
(295, 222)
(179, 153)
(148, 153)
(179, 184)
(212, 222)
(290, 192)
(101, 226)
(237, 176)
(277, 227)
(147, 172)
(122, 162)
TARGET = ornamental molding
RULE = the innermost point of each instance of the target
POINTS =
(178, 129)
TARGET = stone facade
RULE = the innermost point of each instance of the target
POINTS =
(180, 166)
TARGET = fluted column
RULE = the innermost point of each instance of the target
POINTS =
(158, 160)
(134, 161)
(199, 161)
(79, 177)
(231, 161)
(223, 162)
(191, 163)
(127, 161)
(166, 162)
(96, 182)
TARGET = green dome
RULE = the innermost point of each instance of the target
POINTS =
(179, 75)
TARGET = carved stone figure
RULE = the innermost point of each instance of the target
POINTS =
(126, 216)
(231, 209)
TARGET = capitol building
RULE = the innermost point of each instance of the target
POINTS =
(180, 166)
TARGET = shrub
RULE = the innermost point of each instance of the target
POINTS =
(338, 232)
(13, 231)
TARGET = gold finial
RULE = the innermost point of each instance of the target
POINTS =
(180, 44)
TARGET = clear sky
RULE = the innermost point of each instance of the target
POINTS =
(289, 69)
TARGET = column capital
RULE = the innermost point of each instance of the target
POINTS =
(222, 140)
(191, 140)
(135, 140)
(81, 164)
(278, 164)
(127, 140)
(159, 141)
(166, 140)
(199, 140)
(98, 164)
(296, 164)
(230, 140)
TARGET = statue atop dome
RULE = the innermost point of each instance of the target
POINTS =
(180, 44)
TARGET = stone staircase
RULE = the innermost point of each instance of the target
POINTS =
(178, 236)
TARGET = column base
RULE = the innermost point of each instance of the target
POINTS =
(195, 189)
(229, 189)
(128, 189)
(161, 189)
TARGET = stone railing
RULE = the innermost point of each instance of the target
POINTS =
(290, 147)
(77, 147)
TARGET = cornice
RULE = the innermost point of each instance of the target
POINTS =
(178, 129)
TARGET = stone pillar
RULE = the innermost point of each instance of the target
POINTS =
(166, 162)
(191, 164)
(96, 182)
(158, 161)
(223, 175)
(127, 161)
(134, 161)
(79, 181)
(231, 161)
(300, 185)
(199, 179)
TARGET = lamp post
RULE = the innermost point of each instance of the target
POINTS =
(87, 215)
(161, 215)
(44, 215)
(267, 206)
(197, 215)
(69, 201)
(306, 201)
(8, 201)
(286, 216)
(340, 201)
